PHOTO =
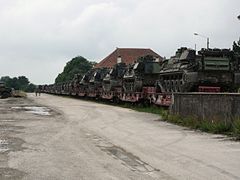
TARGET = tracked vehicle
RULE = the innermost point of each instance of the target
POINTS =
(141, 74)
(113, 79)
(140, 78)
(212, 70)
(4, 91)
(112, 82)
(84, 83)
(95, 82)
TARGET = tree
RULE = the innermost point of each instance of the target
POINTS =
(18, 83)
(78, 65)
(6, 80)
(236, 46)
(23, 82)
(31, 87)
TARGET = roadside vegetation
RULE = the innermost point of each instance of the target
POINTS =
(21, 83)
(78, 65)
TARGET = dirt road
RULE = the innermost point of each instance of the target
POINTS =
(51, 137)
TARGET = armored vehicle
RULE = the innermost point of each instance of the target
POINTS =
(114, 77)
(141, 74)
(211, 70)
(4, 91)
(74, 85)
(95, 81)
(84, 83)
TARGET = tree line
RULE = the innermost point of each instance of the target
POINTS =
(78, 65)
(18, 83)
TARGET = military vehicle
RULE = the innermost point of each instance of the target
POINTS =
(4, 91)
(83, 85)
(74, 85)
(114, 77)
(211, 70)
(141, 74)
(95, 82)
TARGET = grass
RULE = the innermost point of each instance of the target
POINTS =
(216, 127)
(18, 93)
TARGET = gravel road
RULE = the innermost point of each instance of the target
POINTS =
(51, 137)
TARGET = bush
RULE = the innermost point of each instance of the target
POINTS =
(236, 128)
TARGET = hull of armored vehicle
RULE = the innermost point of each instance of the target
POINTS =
(143, 73)
(211, 70)
(4, 91)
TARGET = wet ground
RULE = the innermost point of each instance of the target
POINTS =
(16, 115)
(51, 137)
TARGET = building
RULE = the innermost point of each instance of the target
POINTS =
(127, 55)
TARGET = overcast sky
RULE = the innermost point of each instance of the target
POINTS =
(38, 37)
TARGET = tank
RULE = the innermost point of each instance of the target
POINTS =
(141, 74)
(209, 70)
(113, 78)
(4, 91)
(95, 81)
(84, 83)
(74, 84)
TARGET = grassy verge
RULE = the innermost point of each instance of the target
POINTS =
(216, 127)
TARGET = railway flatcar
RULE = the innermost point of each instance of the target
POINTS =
(152, 82)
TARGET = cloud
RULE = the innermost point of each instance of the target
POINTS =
(39, 36)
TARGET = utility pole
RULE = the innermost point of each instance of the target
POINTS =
(208, 41)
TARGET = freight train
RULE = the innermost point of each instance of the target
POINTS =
(151, 81)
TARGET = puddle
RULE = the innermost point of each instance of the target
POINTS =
(7, 128)
(7, 120)
(3, 145)
(10, 144)
(44, 111)
(11, 174)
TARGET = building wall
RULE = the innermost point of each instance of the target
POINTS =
(221, 106)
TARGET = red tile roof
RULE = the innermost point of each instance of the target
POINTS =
(128, 55)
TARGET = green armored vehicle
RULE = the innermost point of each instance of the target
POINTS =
(141, 74)
(95, 82)
(113, 79)
(212, 70)
(4, 91)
